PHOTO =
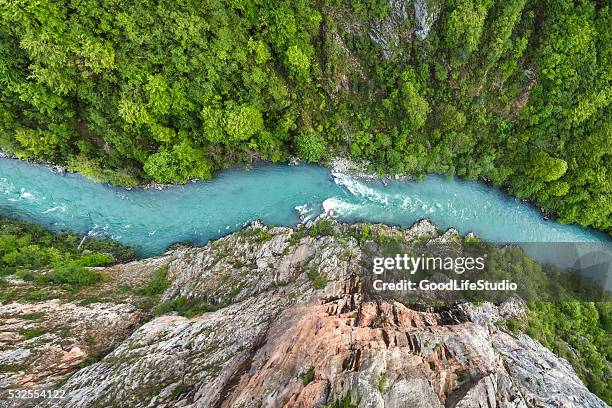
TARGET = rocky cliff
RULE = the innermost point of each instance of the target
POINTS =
(275, 317)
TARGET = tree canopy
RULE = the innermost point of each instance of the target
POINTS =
(516, 92)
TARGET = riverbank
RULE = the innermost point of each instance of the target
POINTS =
(56, 168)
(338, 165)
(341, 165)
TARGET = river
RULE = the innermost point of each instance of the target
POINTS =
(153, 219)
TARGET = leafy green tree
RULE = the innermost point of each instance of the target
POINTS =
(298, 61)
(310, 146)
(242, 122)
(546, 168)
(416, 106)
(183, 162)
(26, 246)
(465, 26)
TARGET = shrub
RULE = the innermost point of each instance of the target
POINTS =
(184, 306)
(158, 284)
(322, 228)
(72, 274)
(307, 376)
(318, 281)
(31, 333)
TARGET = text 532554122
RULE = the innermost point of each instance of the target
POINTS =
(36, 394)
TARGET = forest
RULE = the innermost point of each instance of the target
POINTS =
(516, 92)
(25, 247)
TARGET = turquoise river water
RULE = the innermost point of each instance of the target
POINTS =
(153, 219)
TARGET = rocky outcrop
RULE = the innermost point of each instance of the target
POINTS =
(425, 14)
(391, 28)
(41, 343)
(403, 19)
(387, 31)
(291, 326)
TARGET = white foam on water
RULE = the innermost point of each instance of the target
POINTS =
(335, 206)
(302, 209)
(59, 208)
(307, 212)
(26, 195)
(360, 189)
(98, 230)
(407, 204)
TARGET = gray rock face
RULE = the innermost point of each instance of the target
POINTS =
(295, 329)
(487, 314)
(42, 342)
(397, 24)
(425, 15)
(544, 379)
(173, 352)
(386, 32)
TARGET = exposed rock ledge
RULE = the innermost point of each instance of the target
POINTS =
(282, 342)
(343, 166)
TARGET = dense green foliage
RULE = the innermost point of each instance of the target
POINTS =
(25, 246)
(517, 92)
(71, 273)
